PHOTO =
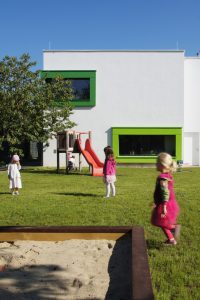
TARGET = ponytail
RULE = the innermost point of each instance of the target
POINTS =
(167, 162)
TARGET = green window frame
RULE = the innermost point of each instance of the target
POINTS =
(91, 75)
(117, 131)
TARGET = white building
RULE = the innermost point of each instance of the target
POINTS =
(139, 102)
(191, 128)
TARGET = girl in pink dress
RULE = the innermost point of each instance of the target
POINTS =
(166, 208)
(109, 172)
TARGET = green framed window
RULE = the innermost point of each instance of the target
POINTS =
(142, 145)
(83, 84)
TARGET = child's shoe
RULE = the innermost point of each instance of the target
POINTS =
(16, 193)
(13, 193)
(170, 242)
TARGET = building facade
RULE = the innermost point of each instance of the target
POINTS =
(139, 102)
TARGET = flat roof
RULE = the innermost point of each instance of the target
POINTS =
(179, 51)
(192, 57)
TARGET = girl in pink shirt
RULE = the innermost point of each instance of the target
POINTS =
(109, 172)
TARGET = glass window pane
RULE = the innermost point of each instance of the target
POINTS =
(146, 145)
(34, 150)
(81, 89)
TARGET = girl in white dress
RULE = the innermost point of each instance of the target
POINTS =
(14, 175)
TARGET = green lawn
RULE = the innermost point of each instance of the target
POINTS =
(48, 198)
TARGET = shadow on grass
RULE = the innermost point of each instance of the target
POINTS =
(4, 193)
(78, 194)
(78, 174)
(152, 244)
(39, 171)
(52, 171)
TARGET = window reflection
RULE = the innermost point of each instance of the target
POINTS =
(81, 89)
(146, 145)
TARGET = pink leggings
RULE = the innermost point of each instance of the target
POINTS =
(167, 231)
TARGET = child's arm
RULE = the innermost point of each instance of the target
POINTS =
(19, 166)
(164, 195)
(104, 167)
(8, 171)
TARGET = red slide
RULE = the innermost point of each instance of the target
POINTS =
(91, 158)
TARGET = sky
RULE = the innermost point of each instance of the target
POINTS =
(31, 26)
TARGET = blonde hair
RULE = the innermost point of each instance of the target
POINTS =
(167, 162)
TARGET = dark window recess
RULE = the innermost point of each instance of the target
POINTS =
(62, 140)
(146, 145)
(81, 89)
(32, 154)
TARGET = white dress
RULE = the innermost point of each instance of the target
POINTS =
(14, 176)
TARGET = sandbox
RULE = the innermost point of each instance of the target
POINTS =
(74, 263)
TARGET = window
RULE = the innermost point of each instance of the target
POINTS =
(83, 84)
(142, 145)
(81, 89)
(146, 145)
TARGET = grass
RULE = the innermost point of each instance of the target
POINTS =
(48, 198)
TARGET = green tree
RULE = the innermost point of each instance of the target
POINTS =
(30, 108)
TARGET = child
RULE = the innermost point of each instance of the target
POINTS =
(14, 175)
(107, 148)
(166, 208)
(109, 172)
(71, 162)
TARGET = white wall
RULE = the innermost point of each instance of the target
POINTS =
(137, 89)
(191, 110)
(192, 95)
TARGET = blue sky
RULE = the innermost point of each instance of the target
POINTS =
(34, 25)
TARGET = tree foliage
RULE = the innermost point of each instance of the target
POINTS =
(30, 108)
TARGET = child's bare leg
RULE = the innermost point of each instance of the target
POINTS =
(113, 189)
(107, 190)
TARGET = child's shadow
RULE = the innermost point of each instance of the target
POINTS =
(4, 193)
(152, 244)
(78, 194)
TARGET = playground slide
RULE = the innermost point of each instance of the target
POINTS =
(91, 158)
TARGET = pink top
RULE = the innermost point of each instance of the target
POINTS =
(109, 167)
(160, 194)
(160, 198)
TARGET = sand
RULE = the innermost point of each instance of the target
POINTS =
(70, 270)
